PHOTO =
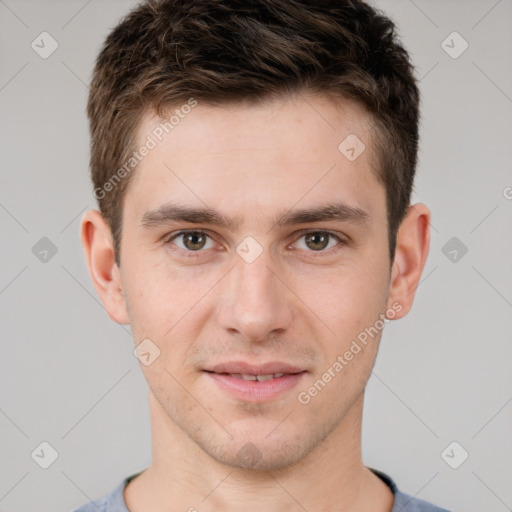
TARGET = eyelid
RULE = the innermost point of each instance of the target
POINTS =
(334, 234)
(175, 234)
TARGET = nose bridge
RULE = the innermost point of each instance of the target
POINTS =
(256, 301)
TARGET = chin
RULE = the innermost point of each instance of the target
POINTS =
(254, 450)
(257, 455)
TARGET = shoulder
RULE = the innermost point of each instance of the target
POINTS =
(404, 502)
(112, 502)
(93, 506)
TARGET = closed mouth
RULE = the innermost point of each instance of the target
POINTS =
(259, 378)
(255, 383)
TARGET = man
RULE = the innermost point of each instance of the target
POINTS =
(253, 164)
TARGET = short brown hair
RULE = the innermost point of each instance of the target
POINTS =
(165, 52)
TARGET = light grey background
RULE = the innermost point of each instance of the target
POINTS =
(68, 375)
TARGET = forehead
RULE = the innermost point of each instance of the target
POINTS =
(269, 156)
(320, 120)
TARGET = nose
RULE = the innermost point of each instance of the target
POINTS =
(256, 303)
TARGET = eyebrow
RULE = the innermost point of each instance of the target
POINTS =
(330, 211)
(337, 211)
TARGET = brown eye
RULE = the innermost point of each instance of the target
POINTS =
(318, 241)
(194, 241)
(191, 241)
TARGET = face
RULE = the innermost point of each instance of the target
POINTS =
(270, 285)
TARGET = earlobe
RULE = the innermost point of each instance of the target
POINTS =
(97, 244)
(413, 242)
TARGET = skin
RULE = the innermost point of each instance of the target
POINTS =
(294, 303)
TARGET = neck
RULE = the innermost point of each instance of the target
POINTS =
(331, 477)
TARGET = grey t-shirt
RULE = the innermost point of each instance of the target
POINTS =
(114, 502)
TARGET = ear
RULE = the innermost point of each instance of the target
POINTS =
(413, 242)
(97, 244)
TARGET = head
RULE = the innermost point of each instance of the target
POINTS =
(293, 126)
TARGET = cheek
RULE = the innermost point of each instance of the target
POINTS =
(144, 304)
(170, 306)
(346, 298)
(153, 289)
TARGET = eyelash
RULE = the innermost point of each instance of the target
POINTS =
(195, 254)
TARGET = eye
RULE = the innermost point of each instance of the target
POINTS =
(193, 241)
(319, 241)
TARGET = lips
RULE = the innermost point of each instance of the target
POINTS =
(259, 378)
(245, 368)
(255, 383)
